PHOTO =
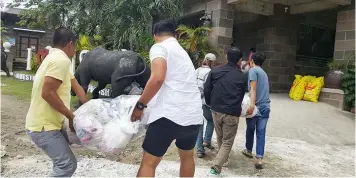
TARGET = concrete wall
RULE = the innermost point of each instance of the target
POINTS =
(345, 35)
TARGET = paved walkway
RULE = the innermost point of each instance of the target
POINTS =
(303, 139)
(317, 123)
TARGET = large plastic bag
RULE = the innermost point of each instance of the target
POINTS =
(295, 83)
(298, 91)
(313, 88)
(245, 105)
(110, 131)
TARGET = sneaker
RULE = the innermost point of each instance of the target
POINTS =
(258, 163)
(201, 155)
(208, 145)
(213, 171)
(247, 153)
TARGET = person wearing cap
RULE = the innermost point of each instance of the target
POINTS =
(202, 74)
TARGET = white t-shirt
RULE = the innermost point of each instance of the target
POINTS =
(179, 98)
(202, 74)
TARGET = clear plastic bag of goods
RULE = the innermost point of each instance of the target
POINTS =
(245, 105)
(110, 131)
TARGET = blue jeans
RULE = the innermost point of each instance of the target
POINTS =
(208, 130)
(258, 123)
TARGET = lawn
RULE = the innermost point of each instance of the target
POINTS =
(22, 89)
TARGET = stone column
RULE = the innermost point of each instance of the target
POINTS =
(345, 35)
(279, 39)
(222, 23)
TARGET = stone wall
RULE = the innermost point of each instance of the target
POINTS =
(276, 38)
(345, 35)
(222, 23)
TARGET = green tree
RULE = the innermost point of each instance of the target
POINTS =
(118, 22)
(3, 30)
(195, 42)
(48, 14)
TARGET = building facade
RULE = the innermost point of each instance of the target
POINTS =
(22, 38)
(297, 36)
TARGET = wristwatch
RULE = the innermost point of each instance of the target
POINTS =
(140, 106)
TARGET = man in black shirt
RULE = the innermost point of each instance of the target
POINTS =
(224, 91)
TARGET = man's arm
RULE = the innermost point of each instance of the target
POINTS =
(79, 91)
(207, 89)
(49, 94)
(158, 74)
(253, 85)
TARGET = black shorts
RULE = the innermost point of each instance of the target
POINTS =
(162, 132)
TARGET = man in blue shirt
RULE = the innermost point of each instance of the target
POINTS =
(259, 93)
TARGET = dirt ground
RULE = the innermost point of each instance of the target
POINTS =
(320, 147)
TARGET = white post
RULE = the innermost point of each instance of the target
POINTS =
(82, 54)
(29, 55)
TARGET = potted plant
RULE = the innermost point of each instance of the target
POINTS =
(333, 76)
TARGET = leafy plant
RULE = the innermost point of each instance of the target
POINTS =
(348, 82)
(84, 43)
(34, 64)
(145, 43)
(336, 65)
(348, 86)
(3, 30)
(195, 42)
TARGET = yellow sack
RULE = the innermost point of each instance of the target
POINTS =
(298, 91)
(313, 88)
(295, 83)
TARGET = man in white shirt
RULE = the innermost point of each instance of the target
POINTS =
(177, 108)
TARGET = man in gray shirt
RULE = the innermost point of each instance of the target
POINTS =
(259, 92)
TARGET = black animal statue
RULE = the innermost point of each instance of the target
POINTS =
(3, 63)
(118, 68)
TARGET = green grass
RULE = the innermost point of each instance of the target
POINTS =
(25, 72)
(22, 89)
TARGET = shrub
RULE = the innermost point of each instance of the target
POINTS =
(348, 86)
(348, 83)
(34, 64)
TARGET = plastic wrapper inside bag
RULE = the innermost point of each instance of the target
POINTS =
(112, 130)
(245, 105)
(134, 89)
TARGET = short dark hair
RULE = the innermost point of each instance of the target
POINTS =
(164, 27)
(252, 50)
(62, 36)
(258, 58)
(234, 54)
